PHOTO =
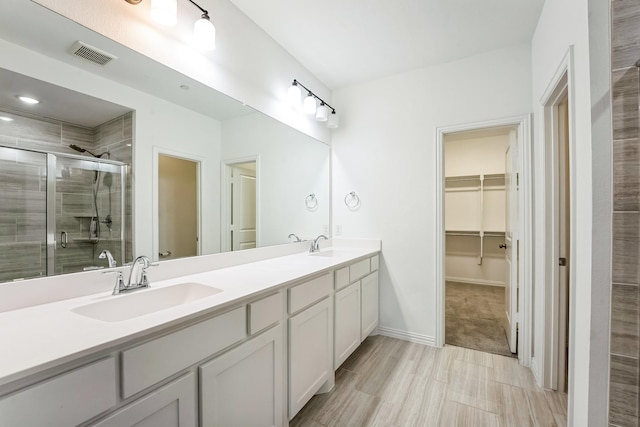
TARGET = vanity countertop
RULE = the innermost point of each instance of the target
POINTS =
(49, 335)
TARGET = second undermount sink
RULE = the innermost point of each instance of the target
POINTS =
(139, 303)
(332, 253)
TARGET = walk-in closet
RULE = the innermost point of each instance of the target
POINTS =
(476, 265)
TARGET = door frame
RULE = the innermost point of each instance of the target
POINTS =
(225, 199)
(523, 125)
(559, 87)
(155, 219)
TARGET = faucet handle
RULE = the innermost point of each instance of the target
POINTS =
(119, 286)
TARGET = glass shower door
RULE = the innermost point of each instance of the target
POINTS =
(23, 208)
(89, 213)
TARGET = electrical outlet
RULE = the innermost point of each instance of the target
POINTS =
(325, 229)
(339, 230)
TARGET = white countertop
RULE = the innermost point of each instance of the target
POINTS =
(48, 335)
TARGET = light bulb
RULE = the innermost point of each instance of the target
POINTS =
(204, 33)
(309, 106)
(322, 114)
(165, 12)
(295, 96)
(333, 120)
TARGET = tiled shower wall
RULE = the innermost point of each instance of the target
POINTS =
(22, 225)
(625, 289)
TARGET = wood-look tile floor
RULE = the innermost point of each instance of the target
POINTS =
(390, 382)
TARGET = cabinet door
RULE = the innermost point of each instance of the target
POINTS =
(173, 405)
(369, 289)
(243, 387)
(310, 353)
(347, 323)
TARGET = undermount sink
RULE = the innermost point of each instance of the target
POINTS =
(331, 253)
(139, 303)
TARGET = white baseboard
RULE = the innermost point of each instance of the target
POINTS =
(475, 281)
(407, 336)
(535, 369)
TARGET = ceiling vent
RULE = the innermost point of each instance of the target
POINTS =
(91, 54)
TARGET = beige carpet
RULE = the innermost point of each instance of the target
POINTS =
(473, 317)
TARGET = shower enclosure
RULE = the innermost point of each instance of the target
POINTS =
(58, 212)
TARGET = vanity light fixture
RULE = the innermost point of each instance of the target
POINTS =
(323, 113)
(165, 12)
(28, 100)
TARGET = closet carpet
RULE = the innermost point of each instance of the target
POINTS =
(474, 316)
(393, 383)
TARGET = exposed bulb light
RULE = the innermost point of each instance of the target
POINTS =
(204, 33)
(28, 100)
(165, 12)
(333, 121)
(295, 96)
(322, 113)
(309, 106)
(6, 119)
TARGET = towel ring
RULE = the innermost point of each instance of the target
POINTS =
(311, 201)
(352, 200)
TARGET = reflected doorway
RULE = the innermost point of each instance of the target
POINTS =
(240, 216)
(177, 207)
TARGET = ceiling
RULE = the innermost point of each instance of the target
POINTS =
(345, 42)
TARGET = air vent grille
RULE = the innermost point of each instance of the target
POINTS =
(91, 54)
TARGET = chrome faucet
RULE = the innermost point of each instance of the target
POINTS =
(138, 278)
(293, 235)
(315, 244)
(106, 254)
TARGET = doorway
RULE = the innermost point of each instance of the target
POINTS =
(521, 297)
(480, 257)
(177, 207)
(240, 213)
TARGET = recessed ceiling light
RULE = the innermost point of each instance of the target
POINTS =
(28, 100)
(6, 119)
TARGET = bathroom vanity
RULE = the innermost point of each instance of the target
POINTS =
(243, 345)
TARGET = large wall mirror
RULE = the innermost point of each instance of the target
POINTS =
(135, 158)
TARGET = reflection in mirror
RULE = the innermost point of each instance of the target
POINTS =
(138, 110)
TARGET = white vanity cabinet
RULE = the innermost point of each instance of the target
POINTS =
(173, 405)
(244, 386)
(347, 322)
(310, 340)
(356, 306)
(70, 398)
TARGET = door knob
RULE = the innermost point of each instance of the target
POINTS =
(502, 246)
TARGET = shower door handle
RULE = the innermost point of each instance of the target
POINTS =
(63, 239)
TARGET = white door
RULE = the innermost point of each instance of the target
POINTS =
(243, 207)
(511, 241)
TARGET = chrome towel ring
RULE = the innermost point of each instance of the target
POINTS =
(352, 200)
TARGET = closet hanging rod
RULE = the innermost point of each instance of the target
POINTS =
(460, 233)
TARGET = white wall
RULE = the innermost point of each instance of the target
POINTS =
(157, 124)
(385, 151)
(290, 168)
(566, 23)
(247, 64)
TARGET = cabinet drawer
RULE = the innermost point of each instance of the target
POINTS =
(264, 312)
(149, 363)
(342, 277)
(306, 294)
(66, 400)
(359, 269)
(375, 261)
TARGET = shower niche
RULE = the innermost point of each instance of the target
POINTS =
(59, 212)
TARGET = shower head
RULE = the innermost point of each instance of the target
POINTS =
(84, 150)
